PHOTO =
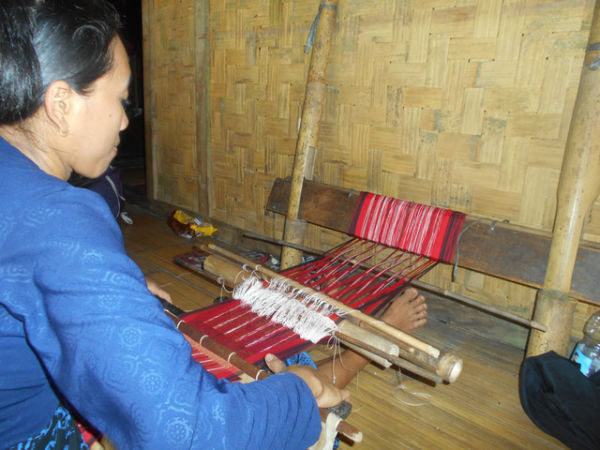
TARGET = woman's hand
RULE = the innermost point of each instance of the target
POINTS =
(326, 394)
(158, 291)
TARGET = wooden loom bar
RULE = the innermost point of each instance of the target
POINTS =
(506, 251)
(578, 187)
(487, 308)
(350, 312)
(369, 344)
(396, 360)
(309, 129)
(251, 370)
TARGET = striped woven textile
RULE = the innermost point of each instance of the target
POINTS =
(413, 227)
(212, 362)
(362, 274)
(233, 325)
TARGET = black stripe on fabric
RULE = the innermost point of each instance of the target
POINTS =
(452, 231)
(357, 213)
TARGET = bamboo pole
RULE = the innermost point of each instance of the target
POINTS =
(309, 129)
(578, 187)
(401, 363)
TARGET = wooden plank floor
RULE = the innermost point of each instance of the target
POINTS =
(480, 410)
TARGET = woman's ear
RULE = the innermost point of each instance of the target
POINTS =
(58, 104)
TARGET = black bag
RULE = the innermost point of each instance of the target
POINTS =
(562, 401)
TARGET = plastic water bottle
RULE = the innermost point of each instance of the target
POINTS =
(587, 351)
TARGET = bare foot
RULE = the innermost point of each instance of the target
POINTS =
(407, 312)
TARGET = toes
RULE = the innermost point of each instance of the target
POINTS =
(419, 308)
(409, 296)
(411, 293)
(419, 323)
(418, 300)
(419, 315)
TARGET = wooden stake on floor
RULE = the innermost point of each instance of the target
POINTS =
(578, 187)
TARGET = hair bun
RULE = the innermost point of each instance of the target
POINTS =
(20, 77)
(42, 41)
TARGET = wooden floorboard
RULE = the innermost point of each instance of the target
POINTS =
(480, 410)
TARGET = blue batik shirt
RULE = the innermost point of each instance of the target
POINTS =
(78, 325)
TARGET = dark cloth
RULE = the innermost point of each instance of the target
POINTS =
(562, 401)
(108, 185)
(61, 433)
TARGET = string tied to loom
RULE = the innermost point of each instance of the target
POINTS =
(334, 344)
(307, 315)
(457, 253)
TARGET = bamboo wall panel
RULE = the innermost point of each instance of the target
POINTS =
(464, 105)
(461, 104)
(171, 107)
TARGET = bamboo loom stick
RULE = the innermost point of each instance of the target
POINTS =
(428, 287)
(231, 274)
(479, 305)
(403, 364)
(368, 343)
(365, 340)
(309, 129)
(251, 370)
(371, 346)
(578, 187)
(362, 318)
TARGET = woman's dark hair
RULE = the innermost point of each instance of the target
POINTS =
(42, 41)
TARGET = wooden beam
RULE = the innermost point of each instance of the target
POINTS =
(202, 53)
(309, 129)
(506, 251)
(578, 187)
(148, 55)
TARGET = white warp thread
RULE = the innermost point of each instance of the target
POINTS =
(306, 315)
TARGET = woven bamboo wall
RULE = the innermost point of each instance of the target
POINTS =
(170, 81)
(462, 104)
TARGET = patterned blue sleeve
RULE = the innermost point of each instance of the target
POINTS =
(112, 352)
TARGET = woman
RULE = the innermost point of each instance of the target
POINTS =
(80, 333)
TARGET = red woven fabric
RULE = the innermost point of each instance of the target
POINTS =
(361, 274)
(233, 325)
(413, 227)
(213, 363)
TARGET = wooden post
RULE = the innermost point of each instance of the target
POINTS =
(309, 130)
(578, 187)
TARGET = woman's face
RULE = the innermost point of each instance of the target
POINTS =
(98, 118)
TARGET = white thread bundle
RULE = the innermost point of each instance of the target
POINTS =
(306, 315)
